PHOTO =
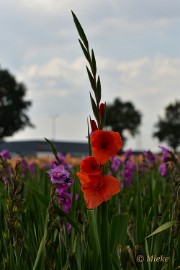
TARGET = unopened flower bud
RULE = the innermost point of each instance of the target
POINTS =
(93, 125)
(102, 110)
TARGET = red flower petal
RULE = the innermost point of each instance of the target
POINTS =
(98, 188)
(105, 144)
(90, 166)
(110, 188)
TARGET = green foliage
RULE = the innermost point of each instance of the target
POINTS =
(121, 116)
(91, 71)
(168, 128)
(13, 107)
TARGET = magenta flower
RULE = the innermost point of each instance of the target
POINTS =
(5, 154)
(163, 169)
(150, 157)
(165, 153)
(59, 175)
(115, 163)
(63, 162)
(65, 199)
(128, 171)
(32, 167)
(128, 154)
(24, 166)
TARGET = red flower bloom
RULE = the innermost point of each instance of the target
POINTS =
(98, 188)
(90, 166)
(105, 144)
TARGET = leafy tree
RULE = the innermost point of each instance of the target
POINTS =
(168, 128)
(13, 107)
(121, 116)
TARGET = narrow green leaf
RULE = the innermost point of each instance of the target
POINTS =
(44, 200)
(53, 149)
(147, 253)
(86, 53)
(94, 107)
(80, 30)
(118, 231)
(89, 143)
(94, 232)
(163, 227)
(98, 89)
(91, 79)
(105, 250)
(139, 215)
(93, 63)
(39, 253)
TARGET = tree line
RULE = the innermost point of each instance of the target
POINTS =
(120, 116)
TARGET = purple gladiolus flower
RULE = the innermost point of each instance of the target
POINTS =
(128, 154)
(115, 163)
(5, 154)
(163, 169)
(6, 174)
(127, 172)
(150, 157)
(59, 175)
(165, 153)
(32, 168)
(63, 162)
(65, 199)
(24, 166)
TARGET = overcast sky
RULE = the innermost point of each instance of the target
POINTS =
(137, 48)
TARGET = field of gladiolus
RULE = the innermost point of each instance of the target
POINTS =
(104, 211)
(46, 224)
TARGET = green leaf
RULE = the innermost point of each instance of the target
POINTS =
(147, 253)
(94, 231)
(53, 149)
(93, 63)
(94, 107)
(98, 89)
(139, 215)
(163, 227)
(39, 253)
(118, 231)
(44, 200)
(89, 143)
(91, 79)
(80, 30)
(86, 53)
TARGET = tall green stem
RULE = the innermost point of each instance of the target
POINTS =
(105, 253)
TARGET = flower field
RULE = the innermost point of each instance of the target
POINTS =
(105, 211)
(45, 225)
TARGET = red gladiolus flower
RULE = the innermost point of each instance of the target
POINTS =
(105, 144)
(98, 188)
(90, 166)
